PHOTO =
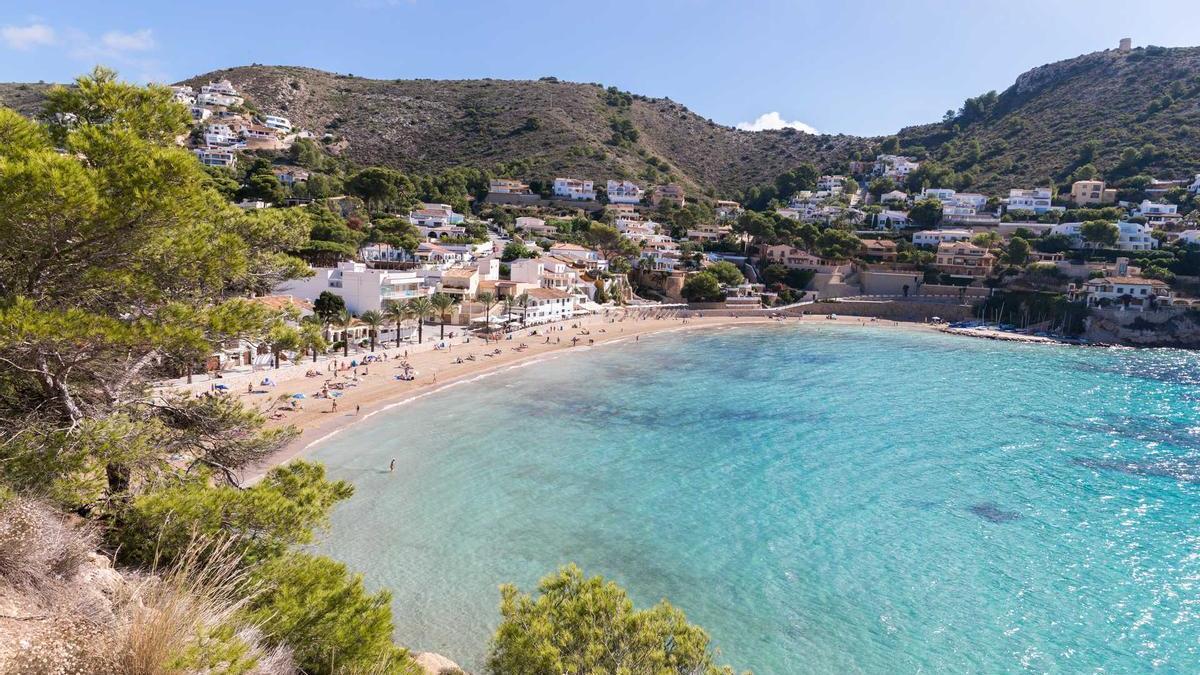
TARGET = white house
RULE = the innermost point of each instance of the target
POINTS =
(936, 237)
(211, 156)
(728, 210)
(623, 192)
(220, 134)
(506, 186)
(535, 226)
(434, 215)
(217, 99)
(1195, 186)
(571, 188)
(544, 272)
(894, 196)
(1136, 292)
(1132, 237)
(895, 166)
(1160, 214)
(1189, 237)
(361, 287)
(1036, 200)
(891, 220)
(586, 256)
(219, 87)
(183, 94)
(277, 123)
(831, 184)
(548, 304)
(200, 114)
(941, 194)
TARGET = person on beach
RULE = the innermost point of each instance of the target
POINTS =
(392, 466)
(357, 408)
(334, 408)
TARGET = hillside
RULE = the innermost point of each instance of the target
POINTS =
(1037, 130)
(554, 127)
(1087, 109)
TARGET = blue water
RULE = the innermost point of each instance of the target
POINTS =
(820, 498)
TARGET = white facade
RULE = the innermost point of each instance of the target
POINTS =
(548, 304)
(217, 99)
(219, 87)
(941, 194)
(1195, 186)
(1036, 200)
(216, 156)
(535, 226)
(1132, 237)
(571, 188)
(622, 192)
(362, 288)
(586, 256)
(220, 134)
(277, 123)
(1189, 237)
(936, 237)
(1158, 213)
(200, 114)
(895, 166)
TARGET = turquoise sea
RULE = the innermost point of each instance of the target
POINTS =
(822, 499)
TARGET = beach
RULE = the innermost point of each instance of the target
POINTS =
(370, 388)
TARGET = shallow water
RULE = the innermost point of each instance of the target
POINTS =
(819, 498)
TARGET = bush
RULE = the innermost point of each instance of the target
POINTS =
(589, 625)
(315, 605)
(38, 546)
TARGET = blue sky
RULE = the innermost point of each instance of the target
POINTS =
(861, 68)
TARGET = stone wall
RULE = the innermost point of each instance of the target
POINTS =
(1165, 327)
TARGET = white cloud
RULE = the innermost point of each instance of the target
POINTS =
(27, 37)
(774, 120)
(137, 41)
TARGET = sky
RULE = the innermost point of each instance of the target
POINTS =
(866, 68)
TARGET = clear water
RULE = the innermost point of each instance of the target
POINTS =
(820, 499)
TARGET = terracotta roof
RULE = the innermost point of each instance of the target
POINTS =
(1129, 281)
(547, 294)
(283, 302)
(460, 273)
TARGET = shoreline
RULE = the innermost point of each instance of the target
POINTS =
(377, 392)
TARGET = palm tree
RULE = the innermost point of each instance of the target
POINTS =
(487, 299)
(374, 320)
(344, 320)
(312, 338)
(420, 309)
(523, 300)
(396, 312)
(442, 304)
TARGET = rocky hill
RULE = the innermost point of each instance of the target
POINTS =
(1126, 113)
(1103, 108)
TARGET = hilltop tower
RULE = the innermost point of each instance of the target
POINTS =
(1126, 45)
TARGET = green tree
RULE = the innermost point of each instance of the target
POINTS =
(312, 338)
(329, 306)
(577, 624)
(1018, 251)
(703, 287)
(727, 273)
(374, 320)
(837, 244)
(420, 308)
(442, 304)
(1100, 233)
(263, 186)
(881, 186)
(1053, 243)
(486, 299)
(397, 312)
(326, 614)
(344, 320)
(378, 186)
(926, 212)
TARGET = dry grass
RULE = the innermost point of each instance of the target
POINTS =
(39, 547)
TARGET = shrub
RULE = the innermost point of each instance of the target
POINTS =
(38, 546)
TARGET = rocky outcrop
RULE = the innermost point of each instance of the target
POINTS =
(436, 664)
(1168, 327)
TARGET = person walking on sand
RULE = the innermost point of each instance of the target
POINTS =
(334, 409)
(357, 408)
(392, 466)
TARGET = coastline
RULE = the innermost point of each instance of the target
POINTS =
(377, 391)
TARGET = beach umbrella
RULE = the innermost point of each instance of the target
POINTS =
(221, 387)
(297, 395)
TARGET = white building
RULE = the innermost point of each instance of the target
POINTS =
(1195, 186)
(183, 94)
(200, 114)
(1189, 237)
(893, 196)
(895, 167)
(220, 134)
(219, 87)
(1036, 200)
(1121, 291)
(361, 287)
(506, 186)
(216, 156)
(831, 184)
(943, 195)
(277, 123)
(729, 210)
(891, 220)
(535, 226)
(585, 256)
(434, 215)
(217, 99)
(1160, 214)
(548, 304)
(545, 272)
(936, 237)
(622, 192)
(1132, 237)
(571, 188)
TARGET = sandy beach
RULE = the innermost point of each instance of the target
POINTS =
(366, 389)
